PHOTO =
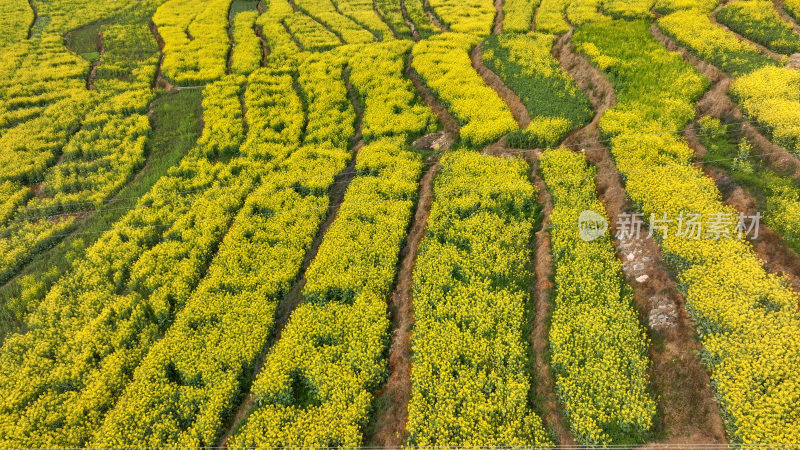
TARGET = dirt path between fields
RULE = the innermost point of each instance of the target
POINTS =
(294, 297)
(231, 40)
(499, 17)
(687, 407)
(777, 258)
(259, 30)
(35, 19)
(414, 32)
(426, 5)
(92, 76)
(390, 420)
(539, 338)
(764, 50)
(159, 82)
(716, 103)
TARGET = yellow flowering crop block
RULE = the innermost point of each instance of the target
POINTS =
(324, 397)
(770, 96)
(519, 15)
(325, 11)
(391, 105)
(469, 377)
(758, 21)
(195, 40)
(747, 319)
(550, 17)
(466, 16)
(694, 29)
(443, 63)
(598, 347)
(247, 54)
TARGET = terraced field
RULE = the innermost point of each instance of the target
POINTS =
(399, 223)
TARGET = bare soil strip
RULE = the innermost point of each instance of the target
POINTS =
(499, 17)
(414, 32)
(390, 421)
(92, 76)
(764, 50)
(518, 109)
(434, 18)
(450, 124)
(294, 297)
(35, 19)
(539, 338)
(231, 41)
(159, 82)
(717, 103)
(686, 402)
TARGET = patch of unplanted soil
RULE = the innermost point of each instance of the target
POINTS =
(688, 410)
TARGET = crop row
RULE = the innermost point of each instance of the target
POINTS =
(470, 380)
(246, 51)
(776, 195)
(518, 15)
(418, 16)
(96, 323)
(758, 21)
(326, 13)
(466, 16)
(598, 347)
(324, 397)
(362, 12)
(391, 105)
(628, 9)
(392, 13)
(16, 16)
(195, 40)
(746, 318)
(550, 17)
(770, 96)
(279, 42)
(311, 35)
(555, 104)
(443, 62)
(694, 29)
(189, 383)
